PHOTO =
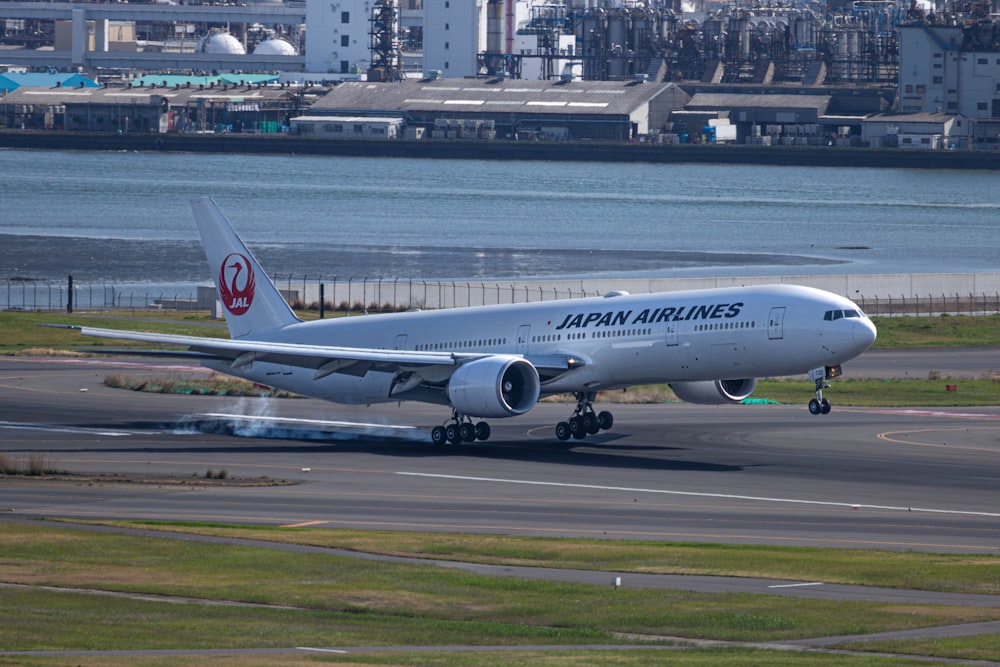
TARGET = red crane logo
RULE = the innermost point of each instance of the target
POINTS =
(236, 283)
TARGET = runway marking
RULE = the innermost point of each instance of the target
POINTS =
(116, 363)
(319, 650)
(311, 422)
(888, 436)
(303, 524)
(63, 429)
(40, 391)
(697, 494)
(925, 413)
(811, 583)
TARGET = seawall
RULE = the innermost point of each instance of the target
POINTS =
(506, 150)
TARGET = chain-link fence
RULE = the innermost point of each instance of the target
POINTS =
(378, 295)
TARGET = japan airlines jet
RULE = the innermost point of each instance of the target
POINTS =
(497, 361)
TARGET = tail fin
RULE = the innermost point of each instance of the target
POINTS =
(251, 301)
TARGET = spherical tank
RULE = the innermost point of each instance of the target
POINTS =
(224, 44)
(275, 47)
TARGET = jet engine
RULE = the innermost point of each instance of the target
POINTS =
(714, 392)
(497, 386)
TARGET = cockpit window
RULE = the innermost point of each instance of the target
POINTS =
(831, 315)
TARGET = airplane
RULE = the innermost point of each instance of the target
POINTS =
(497, 361)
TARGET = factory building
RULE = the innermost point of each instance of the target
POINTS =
(522, 110)
(179, 108)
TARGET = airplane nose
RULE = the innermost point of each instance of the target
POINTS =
(864, 334)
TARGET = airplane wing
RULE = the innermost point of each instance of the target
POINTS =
(321, 358)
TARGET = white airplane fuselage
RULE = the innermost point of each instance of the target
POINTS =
(619, 341)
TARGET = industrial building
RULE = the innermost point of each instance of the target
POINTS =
(199, 107)
(596, 110)
(780, 73)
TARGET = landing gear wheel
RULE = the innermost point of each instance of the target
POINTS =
(467, 432)
(439, 435)
(454, 437)
(482, 431)
(562, 431)
(577, 428)
(814, 407)
(824, 406)
(590, 424)
(605, 420)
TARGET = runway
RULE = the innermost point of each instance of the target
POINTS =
(870, 478)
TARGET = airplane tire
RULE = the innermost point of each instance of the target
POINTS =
(439, 435)
(825, 407)
(605, 420)
(454, 437)
(814, 407)
(590, 423)
(576, 426)
(467, 432)
(483, 431)
(562, 431)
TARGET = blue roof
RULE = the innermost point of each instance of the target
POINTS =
(14, 80)
(182, 80)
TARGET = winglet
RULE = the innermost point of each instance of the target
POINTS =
(250, 300)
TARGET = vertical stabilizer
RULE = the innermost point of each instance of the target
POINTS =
(250, 300)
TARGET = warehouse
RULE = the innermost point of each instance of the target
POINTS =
(514, 109)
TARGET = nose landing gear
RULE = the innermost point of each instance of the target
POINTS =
(819, 405)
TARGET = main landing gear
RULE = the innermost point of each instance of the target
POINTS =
(584, 421)
(819, 405)
(460, 429)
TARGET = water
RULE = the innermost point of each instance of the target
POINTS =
(124, 218)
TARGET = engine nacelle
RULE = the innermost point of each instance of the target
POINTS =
(714, 392)
(497, 386)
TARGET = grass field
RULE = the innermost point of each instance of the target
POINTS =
(233, 596)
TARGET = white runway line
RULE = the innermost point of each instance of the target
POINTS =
(64, 429)
(310, 422)
(724, 496)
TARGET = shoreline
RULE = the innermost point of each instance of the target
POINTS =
(800, 156)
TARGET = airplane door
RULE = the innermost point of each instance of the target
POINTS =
(400, 342)
(775, 323)
(523, 332)
(671, 333)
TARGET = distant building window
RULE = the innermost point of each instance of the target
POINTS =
(345, 40)
(338, 128)
(345, 66)
(446, 65)
(909, 87)
(446, 26)
(907, 140)
(936, 79)
(938, 65)
(981, 106)
(359, 129)
(952, 106)
(982, 61)
(345, 17)
(921, 88)
(446, 45)
(938, 55)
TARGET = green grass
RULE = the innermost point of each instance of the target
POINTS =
(961, 573)
(887, 392)
(941, 331)
(21, 330)
(314, 599)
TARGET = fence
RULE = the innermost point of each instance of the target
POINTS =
(379, 294)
